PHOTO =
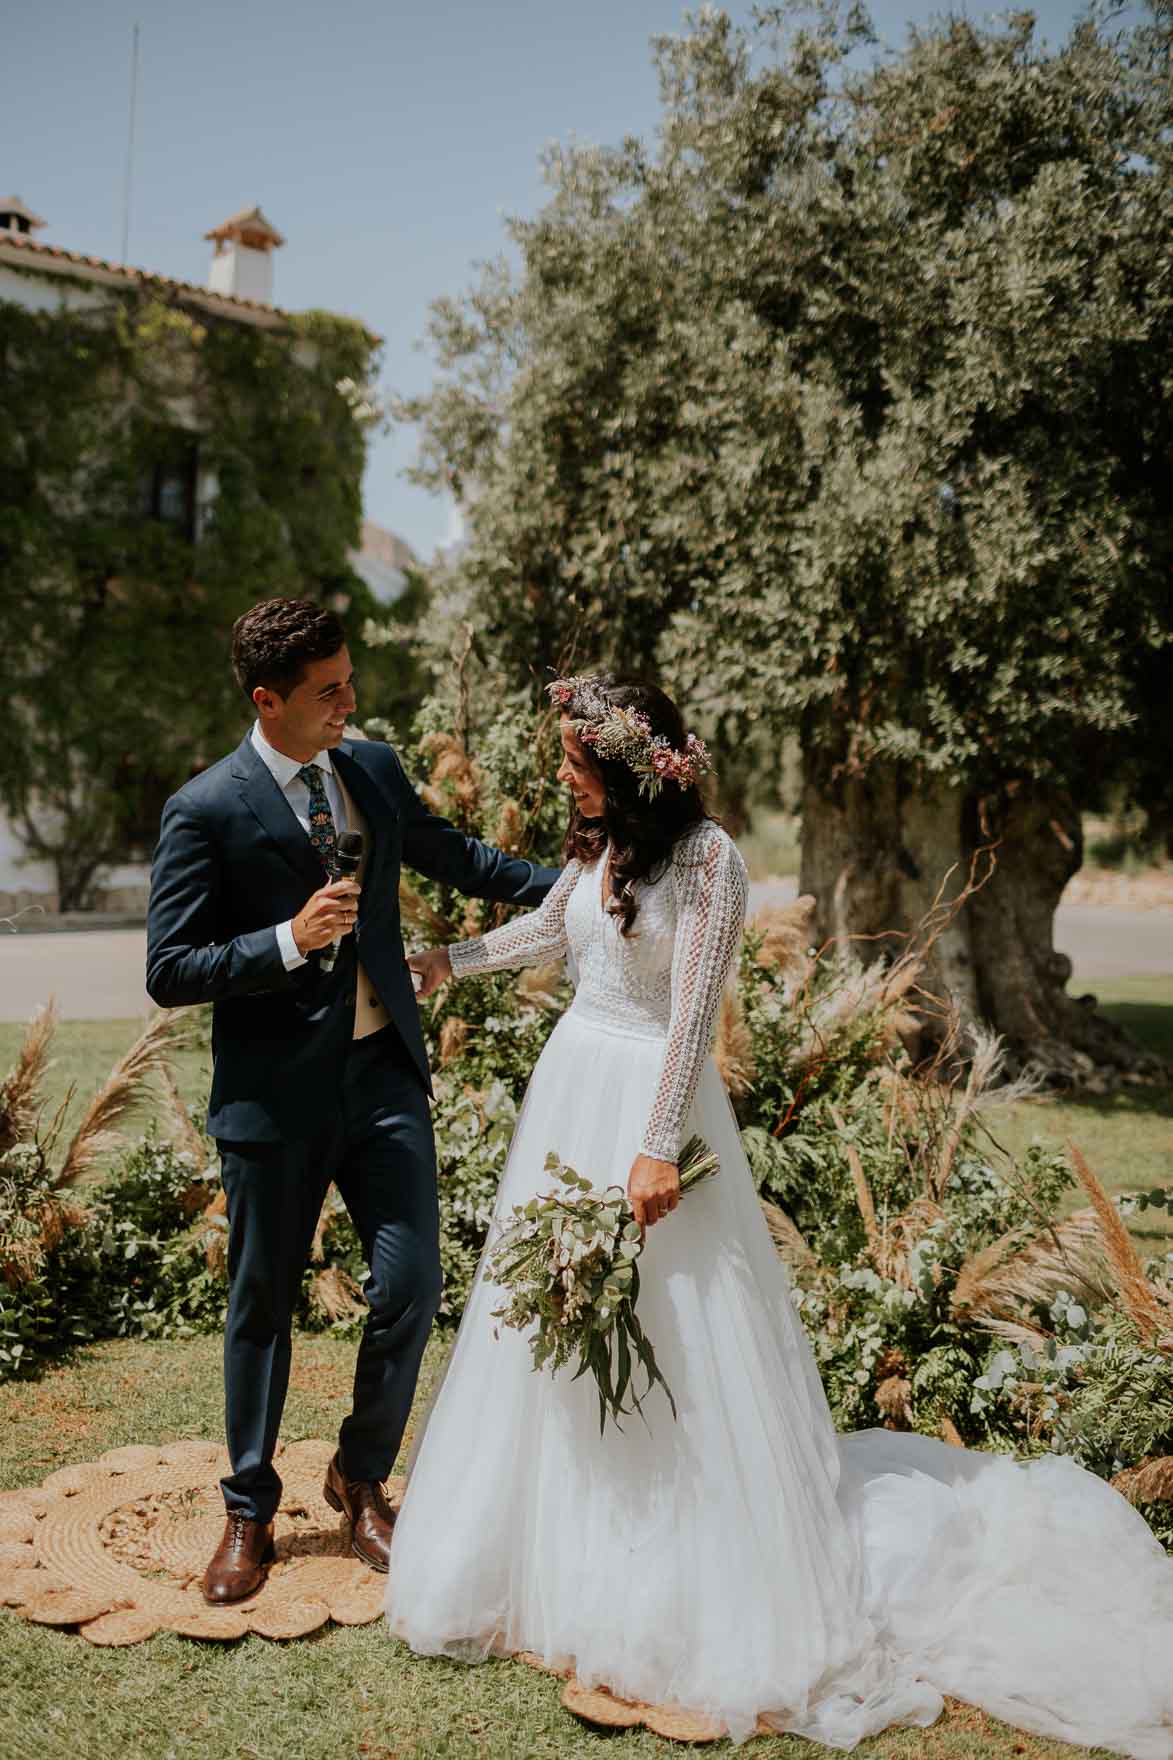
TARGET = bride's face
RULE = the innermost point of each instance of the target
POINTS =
(577, 770)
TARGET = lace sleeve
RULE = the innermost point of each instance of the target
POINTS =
(526, 941)
(712, 887)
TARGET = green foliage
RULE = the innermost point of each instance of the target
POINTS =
(1124, 1404)
(494, 779)
(868, 1328)
(109, 610)
(1096, 1390)
(903, 1205)
(122, 1264)
(396, 669)
(844, 404)
(474, 1128)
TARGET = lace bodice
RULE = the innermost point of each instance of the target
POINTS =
(663, 981)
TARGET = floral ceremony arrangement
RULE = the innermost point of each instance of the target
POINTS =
(570, 1265)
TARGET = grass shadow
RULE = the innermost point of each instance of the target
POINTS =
(1149, 1023)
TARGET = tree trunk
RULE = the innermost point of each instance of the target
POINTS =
(78, 843)
(875, 852)
(75, 881)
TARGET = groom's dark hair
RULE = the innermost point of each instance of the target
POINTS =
(274, 643)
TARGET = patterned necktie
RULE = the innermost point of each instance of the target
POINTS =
(322, 832)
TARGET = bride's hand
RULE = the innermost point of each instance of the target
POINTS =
(654, 1189)
(432, 969)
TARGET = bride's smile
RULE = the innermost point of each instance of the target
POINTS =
(579, 774)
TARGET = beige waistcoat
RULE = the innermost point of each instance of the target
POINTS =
(369, 1012)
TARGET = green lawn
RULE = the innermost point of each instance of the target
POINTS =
(1126, 1137)
(342, 1694)
(773, 849)
(84, 1053)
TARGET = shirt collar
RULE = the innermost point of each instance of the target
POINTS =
(284, 769)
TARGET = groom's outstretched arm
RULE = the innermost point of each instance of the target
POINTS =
(435, 847)
(185, 961)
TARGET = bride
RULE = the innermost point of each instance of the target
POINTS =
(743, 1562)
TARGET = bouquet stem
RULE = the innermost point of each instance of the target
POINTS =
(568, 1265)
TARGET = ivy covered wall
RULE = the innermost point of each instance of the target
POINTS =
(159, 472)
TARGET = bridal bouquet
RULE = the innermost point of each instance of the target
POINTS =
(568, 1262)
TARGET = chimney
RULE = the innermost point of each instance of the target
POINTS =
(15, 217)
(242, 264)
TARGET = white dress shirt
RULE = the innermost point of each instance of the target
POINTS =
(286, 774)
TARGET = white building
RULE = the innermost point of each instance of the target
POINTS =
(382, 560)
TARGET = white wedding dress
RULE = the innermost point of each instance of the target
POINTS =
(745, 1561)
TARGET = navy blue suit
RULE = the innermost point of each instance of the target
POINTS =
(296, 1101)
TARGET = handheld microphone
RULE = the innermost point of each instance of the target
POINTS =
(347, 856)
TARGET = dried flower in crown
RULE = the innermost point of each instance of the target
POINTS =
(625, 736)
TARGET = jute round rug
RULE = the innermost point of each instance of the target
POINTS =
(115, 1549)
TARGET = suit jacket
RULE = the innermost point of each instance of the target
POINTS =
(231, 863)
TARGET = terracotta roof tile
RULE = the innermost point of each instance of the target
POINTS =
(14, 205)
(248, 220)
(20, 244)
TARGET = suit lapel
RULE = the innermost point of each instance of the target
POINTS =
(264, 799)
(371, 804)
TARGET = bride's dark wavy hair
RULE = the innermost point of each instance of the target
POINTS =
(642, 832)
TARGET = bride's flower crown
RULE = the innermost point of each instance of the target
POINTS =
(626, 736)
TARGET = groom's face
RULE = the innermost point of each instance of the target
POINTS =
(313, 717)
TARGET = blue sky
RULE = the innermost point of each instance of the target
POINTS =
(386, 141)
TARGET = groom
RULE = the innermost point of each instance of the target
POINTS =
(318, 1074)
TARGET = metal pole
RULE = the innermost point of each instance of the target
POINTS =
(130, 146)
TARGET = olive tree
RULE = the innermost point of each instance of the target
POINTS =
(844, 407)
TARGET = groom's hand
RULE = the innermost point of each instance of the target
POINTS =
(429, 970)
(653, 1188)
(326, 914)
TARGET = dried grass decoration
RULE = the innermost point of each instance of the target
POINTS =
(568, 1264)
(116, 1548)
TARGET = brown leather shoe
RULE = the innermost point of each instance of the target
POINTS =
(371, 1518)
(238, 1563)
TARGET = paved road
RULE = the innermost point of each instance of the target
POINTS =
(1102, 942)
(1106, 943)
(97, 974)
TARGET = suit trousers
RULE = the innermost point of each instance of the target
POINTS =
(375, 1142)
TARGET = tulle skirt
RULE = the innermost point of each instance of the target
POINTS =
(744, 1561)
